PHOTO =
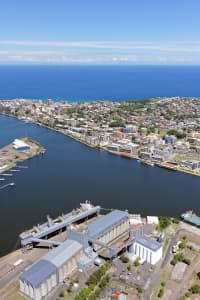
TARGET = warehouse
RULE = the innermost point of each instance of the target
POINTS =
(38, 280)
(108, 227)
(20, 145)
(147, 249)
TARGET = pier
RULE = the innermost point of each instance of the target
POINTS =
(6, 185)
(51, 227)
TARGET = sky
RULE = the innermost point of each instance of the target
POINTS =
(100, 32)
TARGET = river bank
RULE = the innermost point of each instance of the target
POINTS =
(151, 163)
(10, 155)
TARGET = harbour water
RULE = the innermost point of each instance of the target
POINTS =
(70, 173)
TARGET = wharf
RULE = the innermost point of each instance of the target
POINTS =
(37, 233)
(9, 157)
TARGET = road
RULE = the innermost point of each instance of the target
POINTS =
(156, 275)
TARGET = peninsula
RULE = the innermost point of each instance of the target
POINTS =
(164, 131)
(18, 151)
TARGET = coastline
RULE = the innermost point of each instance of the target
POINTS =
(101, 148)
(13, 158)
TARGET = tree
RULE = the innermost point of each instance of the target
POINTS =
(137, 262)
(164, 222)
(161, 293)
(195, 289)
(124, 259)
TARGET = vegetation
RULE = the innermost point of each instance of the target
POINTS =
(136, 262)
(124, 259)
(195, 289)
(161, 293)
(139, 288)
(178, 134)
(98, 279)
(117, 123)
(180, 257)
(164, 222)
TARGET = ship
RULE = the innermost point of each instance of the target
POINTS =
(53, 226)
(167, 165)
(191, 217)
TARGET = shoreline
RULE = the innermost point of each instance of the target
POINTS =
(13, 157)
(101, 148)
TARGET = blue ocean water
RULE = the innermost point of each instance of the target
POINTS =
(80, 83)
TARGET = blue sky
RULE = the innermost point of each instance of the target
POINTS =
(100, 31)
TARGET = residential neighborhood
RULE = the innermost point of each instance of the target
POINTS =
(162, 131)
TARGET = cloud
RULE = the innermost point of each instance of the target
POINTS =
(168, 47)
(99, 52)
(61, 57)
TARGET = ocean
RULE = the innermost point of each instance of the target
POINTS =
(86, 83)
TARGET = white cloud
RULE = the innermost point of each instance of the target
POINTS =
(90, 52)
(61, 57)
(174, 47)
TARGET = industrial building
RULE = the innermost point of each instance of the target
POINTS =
(108, 228)
(20, 145)
(106, 236)
(147, 249)
(38, 280)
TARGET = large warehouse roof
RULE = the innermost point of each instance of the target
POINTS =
(102, 224)
(62, 253)
(148, 242)
(38, 273)
(49, 264)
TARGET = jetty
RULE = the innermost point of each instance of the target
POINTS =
(18, 151)
(6, 185)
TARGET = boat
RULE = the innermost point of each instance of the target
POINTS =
(86, 210)
(191, 217)
(12, 183)
(7, 174)
(167, 165)
(147, 162)
(2, 179)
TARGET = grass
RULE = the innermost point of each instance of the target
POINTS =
(164, 277)
(165, 244)
(18, 297)
(182, 157)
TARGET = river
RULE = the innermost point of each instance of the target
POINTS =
(70, 173)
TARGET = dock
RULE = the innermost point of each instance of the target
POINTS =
(18, 152)
(38, 232)
(6, 185)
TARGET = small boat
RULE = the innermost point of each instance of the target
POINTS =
(147, 162)
(12, 183)
(7, 174)
(2, 179)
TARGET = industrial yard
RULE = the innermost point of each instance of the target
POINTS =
(18, 151)
(131, 256)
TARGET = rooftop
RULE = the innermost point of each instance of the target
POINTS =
(104, 223)
(38, 272)
(41, 270)
(62, 253)
(148, 243)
